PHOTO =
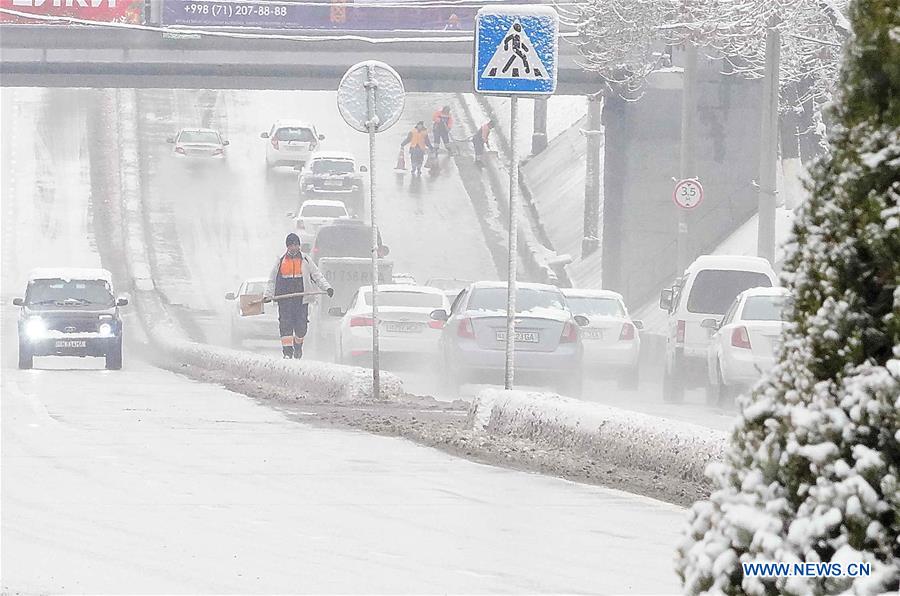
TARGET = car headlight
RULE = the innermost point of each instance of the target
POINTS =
(35, 328)
(105, 330)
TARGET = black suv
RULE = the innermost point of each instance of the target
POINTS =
(70, 312)
(334, 175)
(346, 238)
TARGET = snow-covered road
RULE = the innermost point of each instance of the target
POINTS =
(142, 481)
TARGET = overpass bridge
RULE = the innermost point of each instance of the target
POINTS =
(109, 56)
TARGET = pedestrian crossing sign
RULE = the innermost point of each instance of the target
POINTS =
(516, 50)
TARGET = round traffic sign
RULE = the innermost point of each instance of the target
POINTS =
(353, 96)
(688, 193)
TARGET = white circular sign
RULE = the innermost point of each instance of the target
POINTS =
(688, 194)
(352, 96)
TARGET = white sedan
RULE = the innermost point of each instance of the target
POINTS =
(405, 323)
(198, 145)
(744, 343)
(314, 214)
(612, 345)
(262, 326)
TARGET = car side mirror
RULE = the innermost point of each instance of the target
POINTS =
(439, 315)
(170, 139)
(264, 135)
(665, 299)
(18, 302)
(581, 321)
(224, 143)
(122, 301)
(336, 311)
(230, 296)
(363, 169)
(638, 324)
(383, 251)
(321, 137)
(709, 324)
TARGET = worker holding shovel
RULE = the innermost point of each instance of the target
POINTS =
(290, 286)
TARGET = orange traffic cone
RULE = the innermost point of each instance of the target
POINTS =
(401, 161)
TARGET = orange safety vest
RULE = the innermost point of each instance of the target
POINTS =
(447, 118)
(291, 267)
(417, 139)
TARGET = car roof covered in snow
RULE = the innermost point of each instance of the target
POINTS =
(292, 124)
(589, 293)
(322, 203)
(195, 129)
(332, 155)
(70, 273)
(412, 288)
(773, 291)
(731, 262)
(521, 285)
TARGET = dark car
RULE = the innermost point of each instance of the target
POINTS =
(70, 312)
(346, 238)
(334, 175)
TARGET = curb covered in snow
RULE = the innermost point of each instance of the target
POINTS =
(631, 439)
(319, 380)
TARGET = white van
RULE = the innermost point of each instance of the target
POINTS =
(706, 290)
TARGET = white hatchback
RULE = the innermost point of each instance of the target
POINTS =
(291, 142)
(744, 342)
(405, 322)
(313, 215)
(612, 345)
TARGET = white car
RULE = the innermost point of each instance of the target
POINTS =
(264, 326)
(612, 345)
(334, 175)
(707, 288)
(744, 342)
(198, 145)
(291, 142)
(405, 323)
(313, 215)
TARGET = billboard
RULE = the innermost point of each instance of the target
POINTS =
(339, 15)
(114, 11)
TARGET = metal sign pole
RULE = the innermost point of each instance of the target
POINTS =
(513, 241)
(372, 124)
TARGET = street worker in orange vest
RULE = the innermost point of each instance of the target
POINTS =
(443, 122)
(294, 273)
(418, 142)
(481, 139)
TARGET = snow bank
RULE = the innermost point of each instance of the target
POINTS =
(675, 449)
(317, 380)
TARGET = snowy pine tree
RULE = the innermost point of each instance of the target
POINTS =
(813, 469)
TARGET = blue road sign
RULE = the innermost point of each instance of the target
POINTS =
(516, 50)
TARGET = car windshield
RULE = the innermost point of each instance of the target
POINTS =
(198, 136)
(69, 292)
(332, 166)
(526, 299)
(293, 133)
(323, 211)
(595, 306)
(766, 308)
(715, 289)
(411, 299)
(256, 288)
(344, 241)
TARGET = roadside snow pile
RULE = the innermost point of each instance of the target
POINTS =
(317, 380)
(674, 449)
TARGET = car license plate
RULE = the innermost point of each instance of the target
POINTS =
(403, 327)
(334, 183)
(530, 337)
(71, 343)
(592, 333)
